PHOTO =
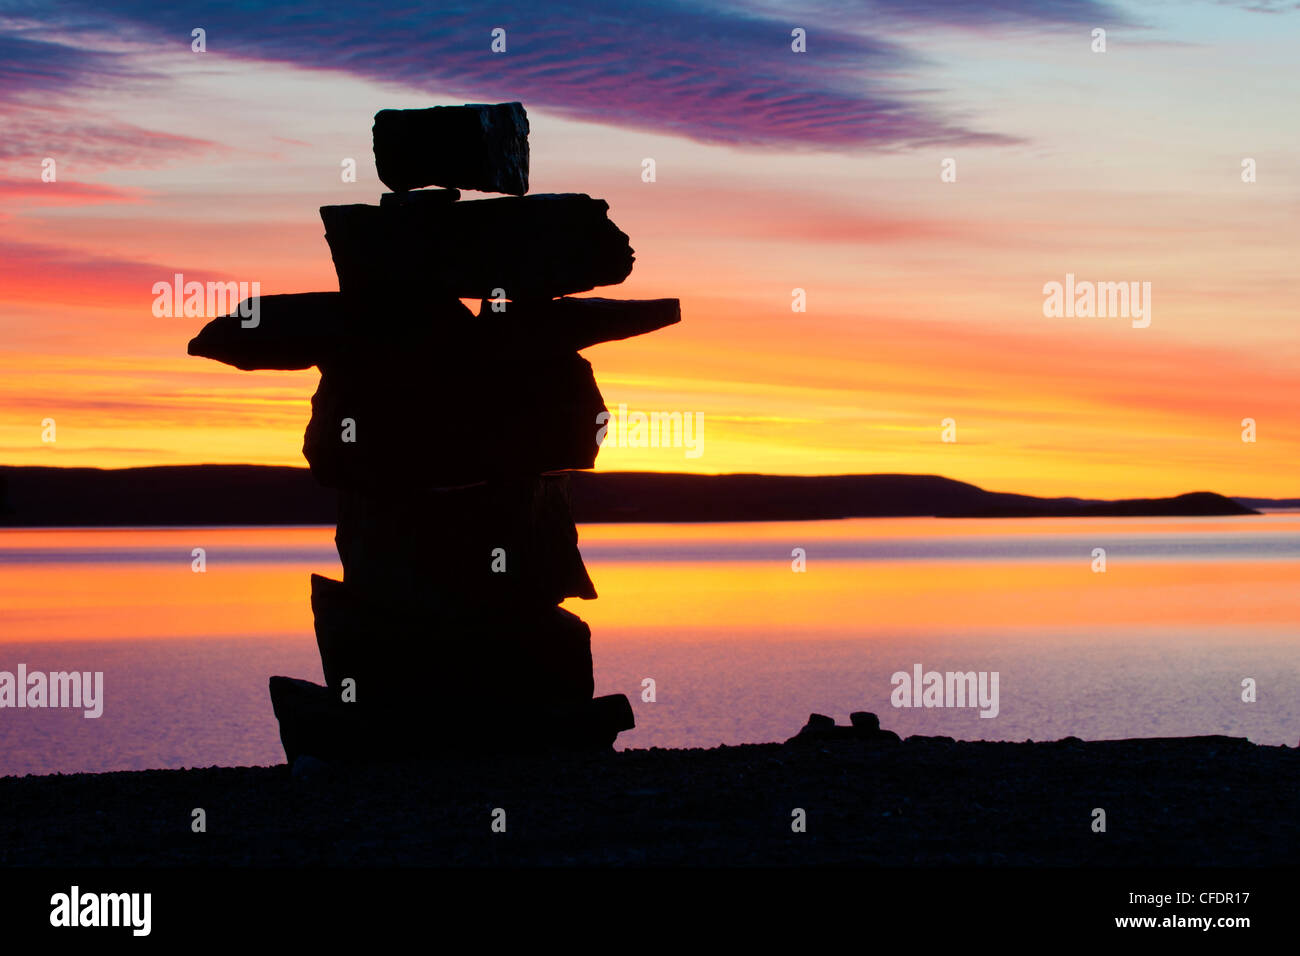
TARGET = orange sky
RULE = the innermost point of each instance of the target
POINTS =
(924, 298)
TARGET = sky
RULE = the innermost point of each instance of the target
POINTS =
(775, 171)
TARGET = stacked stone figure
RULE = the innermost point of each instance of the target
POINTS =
(447, 435)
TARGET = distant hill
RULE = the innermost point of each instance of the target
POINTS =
(258, 494)
(645, 496)
(1268, 502)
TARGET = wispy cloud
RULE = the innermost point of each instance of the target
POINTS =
(711, 72)
(34, 192)
(50, 60)
(992, 14)
(34, 66)
(1264, 6)
(48, 274)
(78, 142)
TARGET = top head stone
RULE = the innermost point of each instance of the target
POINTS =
(475, 146)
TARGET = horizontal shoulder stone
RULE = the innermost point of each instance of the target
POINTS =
(569, 324)
(274, 332)
(299, 330)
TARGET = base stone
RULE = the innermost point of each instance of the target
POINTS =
(315, 722)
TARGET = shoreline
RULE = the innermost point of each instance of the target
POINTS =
(216, 495)
(924, 801)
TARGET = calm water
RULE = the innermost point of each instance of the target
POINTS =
(740, 646)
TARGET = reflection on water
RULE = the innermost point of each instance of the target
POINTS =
(741, 646)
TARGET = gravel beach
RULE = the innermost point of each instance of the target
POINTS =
(923, 802)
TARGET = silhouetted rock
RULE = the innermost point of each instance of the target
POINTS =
(543, 326)
(495, 542)
(291, 332)
(595, 724)
(313, 721)
(308, 328)
(466, 419)
(420, 196)
(320, 734)
(864, 722)
(865, 728)
(533, 247)
(819, 729)
(477, 146)
(439, 428)
(300, 330)
(436, 657)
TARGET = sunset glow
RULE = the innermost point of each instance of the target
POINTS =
(924, 298)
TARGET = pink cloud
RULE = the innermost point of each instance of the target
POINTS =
(34, 192)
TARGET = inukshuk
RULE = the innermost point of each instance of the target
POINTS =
(447, 435)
